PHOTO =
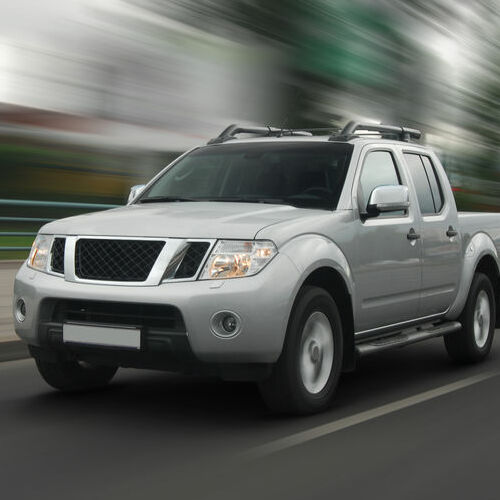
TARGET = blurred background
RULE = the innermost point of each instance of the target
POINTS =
(96, 96)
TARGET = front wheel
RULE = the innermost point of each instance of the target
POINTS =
(306, 375)
(74, 375)
(473, 342)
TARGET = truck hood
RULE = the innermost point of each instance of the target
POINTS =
(180, 220)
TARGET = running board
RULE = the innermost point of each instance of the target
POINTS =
(406, 338)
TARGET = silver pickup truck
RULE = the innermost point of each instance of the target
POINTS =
(278, 256)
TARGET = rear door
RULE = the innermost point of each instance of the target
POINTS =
(386, 268)
(440, 235)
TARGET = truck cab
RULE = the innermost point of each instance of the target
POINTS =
(274, 255)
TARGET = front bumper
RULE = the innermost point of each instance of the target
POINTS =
(263, 302)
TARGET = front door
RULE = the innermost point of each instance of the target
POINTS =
(387, 267)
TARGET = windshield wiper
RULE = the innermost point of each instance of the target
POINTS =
(228, 199)
(244, 199)
(166, 199)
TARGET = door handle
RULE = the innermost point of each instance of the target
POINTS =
(451, 232)
(412, 235)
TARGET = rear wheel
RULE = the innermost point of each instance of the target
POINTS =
(473, 342)
(306, 375)
(74, 375)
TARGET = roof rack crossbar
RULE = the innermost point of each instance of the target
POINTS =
(233, 130)
(352, 130)
(403, 133)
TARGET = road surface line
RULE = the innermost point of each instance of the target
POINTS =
(344, 423)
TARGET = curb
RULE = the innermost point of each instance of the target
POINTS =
(12, 350)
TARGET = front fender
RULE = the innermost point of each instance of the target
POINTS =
(309, 252)
(479, 246)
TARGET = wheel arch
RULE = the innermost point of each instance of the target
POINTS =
(321, 262)
(480, 256)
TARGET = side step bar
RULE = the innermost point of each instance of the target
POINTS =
(404, 338)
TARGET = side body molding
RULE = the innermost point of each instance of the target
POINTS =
(478, 246)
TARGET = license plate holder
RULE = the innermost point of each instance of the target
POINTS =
(124, 337)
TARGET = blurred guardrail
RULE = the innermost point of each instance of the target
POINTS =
(37, 204)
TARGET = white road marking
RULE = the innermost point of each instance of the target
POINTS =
(344, 423)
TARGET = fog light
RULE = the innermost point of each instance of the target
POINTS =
(20, 310)
(229, 323)
(225, 324)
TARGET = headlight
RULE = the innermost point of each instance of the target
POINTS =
(40, 252)
(235, 259)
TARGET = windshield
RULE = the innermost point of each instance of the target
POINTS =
(308, 175)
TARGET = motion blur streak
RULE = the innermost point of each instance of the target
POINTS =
(96, 96)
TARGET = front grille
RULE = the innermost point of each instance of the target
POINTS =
(192, 259)
(57, 258)
(116, 260)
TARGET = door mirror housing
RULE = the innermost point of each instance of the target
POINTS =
(135, 191)
(388, 199)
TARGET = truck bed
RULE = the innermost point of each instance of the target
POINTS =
(471, 223)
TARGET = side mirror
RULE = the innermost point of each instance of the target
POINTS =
(388, 199)
(135, 191)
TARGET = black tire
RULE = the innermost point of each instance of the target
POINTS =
(72, 376)
(285, 391)
(464, 346)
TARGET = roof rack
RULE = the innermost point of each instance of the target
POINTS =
(401, 133)
(233, 130)
(347, 133)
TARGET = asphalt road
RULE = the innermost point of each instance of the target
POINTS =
(153, 435)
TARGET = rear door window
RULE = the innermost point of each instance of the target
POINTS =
(437, 193)
(421, 182)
